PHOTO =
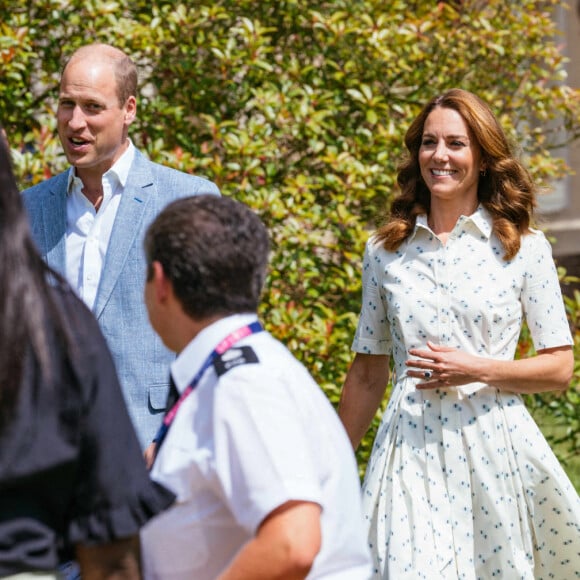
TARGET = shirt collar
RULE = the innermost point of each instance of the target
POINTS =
(192, 357)
(119, 171)
(481, 219)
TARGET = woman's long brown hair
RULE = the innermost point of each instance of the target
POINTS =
(506, 189)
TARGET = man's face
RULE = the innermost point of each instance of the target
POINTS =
(92, 125)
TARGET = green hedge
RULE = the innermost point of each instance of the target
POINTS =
(299, 109)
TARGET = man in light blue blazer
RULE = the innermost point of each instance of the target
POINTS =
(89, 221)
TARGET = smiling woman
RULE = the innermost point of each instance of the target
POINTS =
(446, 283)
(451, 163)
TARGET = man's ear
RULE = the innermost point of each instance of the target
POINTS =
(161, 283)
(130, 110)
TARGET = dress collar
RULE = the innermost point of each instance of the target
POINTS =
(480, 218)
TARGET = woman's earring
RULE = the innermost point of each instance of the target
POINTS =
(483, 173)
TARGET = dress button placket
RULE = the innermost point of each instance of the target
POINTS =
(455, 470)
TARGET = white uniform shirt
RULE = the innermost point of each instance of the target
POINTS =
(240, 446)
(88, 232)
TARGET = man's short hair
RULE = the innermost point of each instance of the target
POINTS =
(214, 250)
(124, 69)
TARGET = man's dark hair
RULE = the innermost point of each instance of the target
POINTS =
(214, 250)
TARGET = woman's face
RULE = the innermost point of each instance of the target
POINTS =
(449, 158)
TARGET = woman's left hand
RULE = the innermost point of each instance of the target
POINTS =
(442, 366)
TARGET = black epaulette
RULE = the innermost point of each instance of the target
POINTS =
(235, 356)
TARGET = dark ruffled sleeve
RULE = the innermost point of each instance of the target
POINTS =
(123, 520)
(114, 495)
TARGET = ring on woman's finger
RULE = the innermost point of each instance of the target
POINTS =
(428, 374)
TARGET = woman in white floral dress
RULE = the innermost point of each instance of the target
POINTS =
(461, 484)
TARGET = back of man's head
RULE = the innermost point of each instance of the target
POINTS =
(214, 250)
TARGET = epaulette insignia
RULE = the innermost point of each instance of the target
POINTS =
(233, 357)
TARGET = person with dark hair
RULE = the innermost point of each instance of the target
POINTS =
(72, 475)
(461, 483)
(266, 481)
(89, 221)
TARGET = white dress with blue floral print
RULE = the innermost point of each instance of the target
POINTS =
(461, 484)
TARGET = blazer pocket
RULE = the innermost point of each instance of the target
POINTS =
(158, 397)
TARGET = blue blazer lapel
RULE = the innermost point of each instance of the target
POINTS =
(127, 227)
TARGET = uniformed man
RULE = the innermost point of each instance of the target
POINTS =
(264, 474)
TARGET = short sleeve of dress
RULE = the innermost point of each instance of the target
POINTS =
(114, 495)
(372, 334)
(541, 294)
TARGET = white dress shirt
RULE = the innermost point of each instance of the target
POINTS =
(88, 231)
